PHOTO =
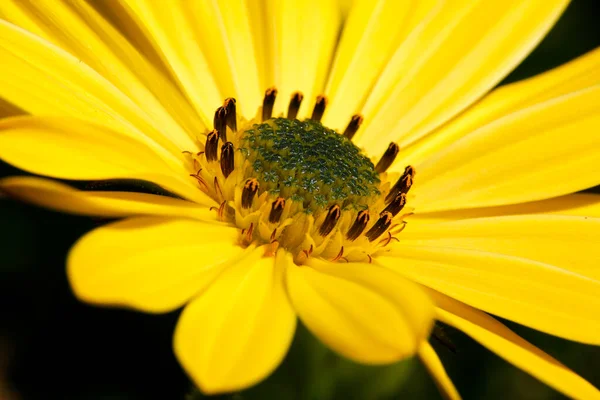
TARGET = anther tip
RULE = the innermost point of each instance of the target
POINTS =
(295, 102)
(355, 123)
(268, 103)
(357, 119)
(319, 109)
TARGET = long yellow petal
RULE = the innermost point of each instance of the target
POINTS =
(151, 264)
(238, 331)
(116, 13)
(66, 148)
(169, 28)
(78, 28)
(57, 196)
(581, 73)
(373, 31)
(223, 31)
(567, 242)
(547, 150)
(436, 369)
(457, 54)
(302, 43)
(43, 79)
(514, 349)
(362, 311)
(579, 204)
(538, 295)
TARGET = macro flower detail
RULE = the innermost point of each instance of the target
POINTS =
(300, 186)
(368, 183)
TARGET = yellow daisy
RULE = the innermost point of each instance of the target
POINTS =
(378, 187)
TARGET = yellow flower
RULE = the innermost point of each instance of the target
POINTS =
(275, 217)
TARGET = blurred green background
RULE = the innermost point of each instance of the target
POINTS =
(53, 347)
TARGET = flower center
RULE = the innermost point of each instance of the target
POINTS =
(299, 185)
(306, 162)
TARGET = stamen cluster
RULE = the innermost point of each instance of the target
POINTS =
(299, 185)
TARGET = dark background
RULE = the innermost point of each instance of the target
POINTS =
(53, 347)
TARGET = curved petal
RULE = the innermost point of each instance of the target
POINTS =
(476, 42)
(538, 295)
(547, 150)
(567, 242)
(66, 148)
(209, 46)
(581, 73)
(436, 369)
(302, 42)
(362, 311)
(239, 330)
(579, 204)
(43, 79)
(224, 33)
(373, 30)
(169, 28)
(61, 197)
(151, 264)
(505, 343)
(78, 28)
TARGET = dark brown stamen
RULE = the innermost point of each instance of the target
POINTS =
(231, 116)
(249, 191)
(388, 158)
(397, 204)
(227, 159)
(294, 105)
(353, 126)
(359, 225)
(268, 102)
(384, 222)
(220, 123)
(212, 146)
(333, 215)
(403, 184)
(276, 210)
(319, 109)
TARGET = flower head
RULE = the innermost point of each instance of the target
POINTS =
(367, 185)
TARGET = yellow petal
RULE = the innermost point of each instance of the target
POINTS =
(238, 331)
(436, 369)
(66, 148)
(579, 204)
(476, 42)
(547, 150)
(567, 242)
(116, 13)
(43, 79)
(222, 30)
(78, 28)
(373, 31)
(169, 28)
(151, 264)
(541, 296)
(57, 196)
(504, 342)
(362, 311)
(573, 76)
(302, 42)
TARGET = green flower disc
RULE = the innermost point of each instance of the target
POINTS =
(307, 162)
